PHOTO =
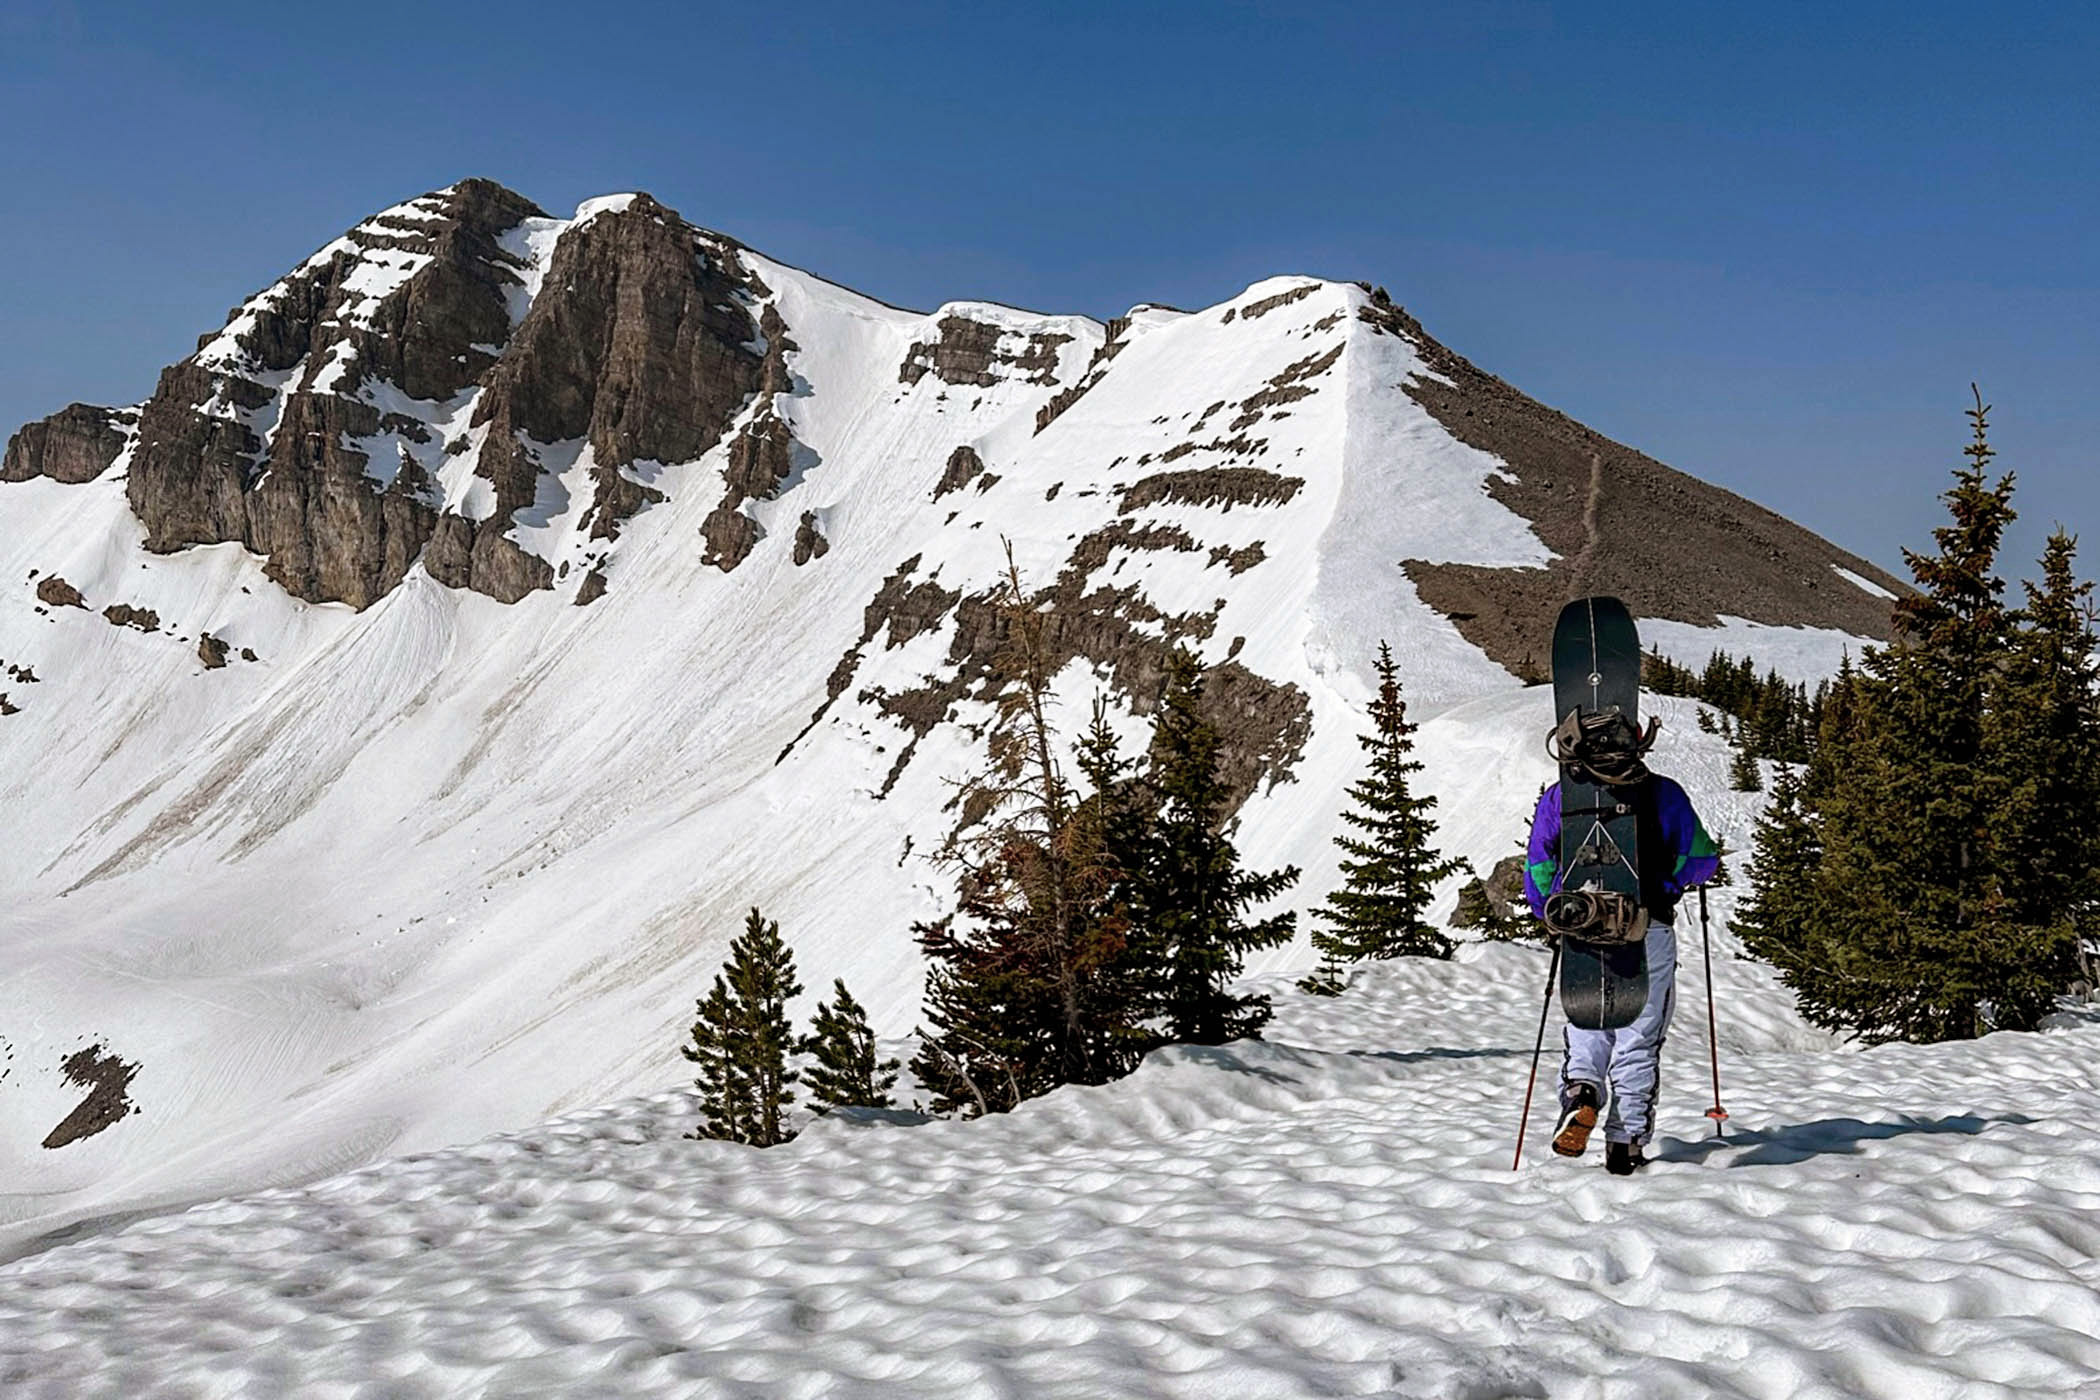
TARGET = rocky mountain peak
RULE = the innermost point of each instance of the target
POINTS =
(790, 508)
(338, 423)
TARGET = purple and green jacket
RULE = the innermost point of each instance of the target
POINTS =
(1675, 851)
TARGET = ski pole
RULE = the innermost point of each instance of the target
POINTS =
(1552, 972)
(1713, 1041)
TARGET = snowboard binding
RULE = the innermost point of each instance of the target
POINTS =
(1592, 915)
(1605, 747)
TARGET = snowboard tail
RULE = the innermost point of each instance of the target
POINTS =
(1603, 986)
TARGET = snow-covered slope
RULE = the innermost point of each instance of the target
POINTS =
(583, 583)
(1331, 1212)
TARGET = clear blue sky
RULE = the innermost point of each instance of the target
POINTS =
(1770, 244)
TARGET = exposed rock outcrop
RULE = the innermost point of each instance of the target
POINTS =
(108, 1081)
(963, 466)
(731, 535)
(54, 592)
(1222, 487)
(761, 458)
(125, 615)
(644, 354)
(212, 652)
(479, 555)
(592, 588)
(1096, 367)
(1264, 726)
(1254, 310)
(74, 445)
(283, 432)
(413, 299)
(809, 540)
(979, 353)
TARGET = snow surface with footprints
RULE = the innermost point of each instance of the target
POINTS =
(1328, 1212)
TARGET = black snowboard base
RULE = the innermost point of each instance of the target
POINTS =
(1597, 670)
(1603, 986)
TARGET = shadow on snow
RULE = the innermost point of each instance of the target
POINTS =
(1825, 1137)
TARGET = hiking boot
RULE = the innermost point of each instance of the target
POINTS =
(1623, 1158)
(1576, 1121)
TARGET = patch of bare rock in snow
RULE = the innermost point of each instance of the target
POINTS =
(1331, 1212)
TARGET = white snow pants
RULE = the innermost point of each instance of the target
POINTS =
(1627, 1059)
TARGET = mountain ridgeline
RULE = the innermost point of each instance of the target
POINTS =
(405, 394)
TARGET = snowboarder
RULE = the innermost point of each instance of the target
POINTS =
(1674, 854)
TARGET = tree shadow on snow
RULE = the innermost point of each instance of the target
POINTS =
(1825, 1137)
(1416, 1057)
(1224, 1057)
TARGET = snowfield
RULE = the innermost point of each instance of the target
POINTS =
(1328, 1213)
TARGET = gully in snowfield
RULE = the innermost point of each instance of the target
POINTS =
(1613, 847)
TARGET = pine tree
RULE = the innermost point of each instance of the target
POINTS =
(2044, 744)
(1326, 980)
(1191, 895)
(848, 1072)
(1391, 871)
(1743, 775)
(1911, 922)
(1026, 990)
(725, 1094)
(1780, 921)
(741, 1040)
(1116, 823)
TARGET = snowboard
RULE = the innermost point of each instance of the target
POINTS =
(1596, 668)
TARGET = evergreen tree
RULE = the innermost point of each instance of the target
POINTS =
(1662, 676)
(2044, 740)
(1326, 980)
(1026, 990)
(1191, 894)
(1390, 871)
(741, 1040)
(1742, 770)
(725, 1094)
(1116, 823)
(1780, 921)
(848, 1072)
(1912, 922)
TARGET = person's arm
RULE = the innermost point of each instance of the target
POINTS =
(1697, 857)
(1541, 857)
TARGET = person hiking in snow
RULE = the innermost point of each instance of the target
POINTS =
(1675, 854)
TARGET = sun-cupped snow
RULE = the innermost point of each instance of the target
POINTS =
(392, 879)
(1331, 1211)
